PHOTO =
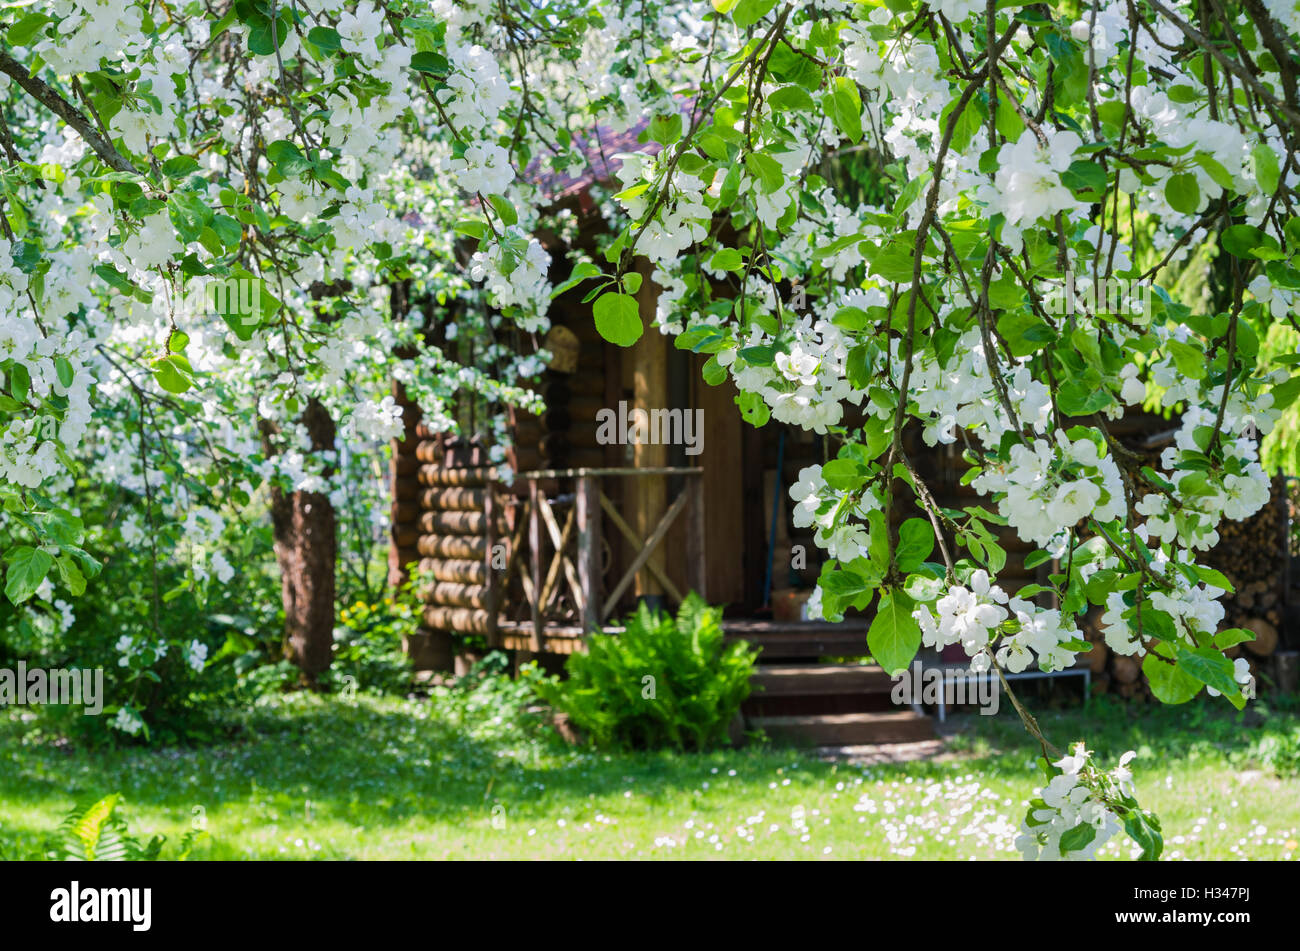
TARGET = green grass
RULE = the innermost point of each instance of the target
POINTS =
(308, 777)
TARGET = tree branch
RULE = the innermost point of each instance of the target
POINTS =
(49, 97)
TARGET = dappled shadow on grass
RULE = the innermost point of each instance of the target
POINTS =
(374, 762)
(389, 767)
(1207, 727)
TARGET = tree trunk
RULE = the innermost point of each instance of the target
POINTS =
(306, 547)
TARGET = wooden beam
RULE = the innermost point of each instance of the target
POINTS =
(696, 539)
(489, 537)
(637, 544)
(644, 554)
(723, 486)
(648, 497)
(587, 506)
(581, 471)
(561, 542)
(536, 500)
(501, 588)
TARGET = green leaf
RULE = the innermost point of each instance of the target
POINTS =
(1267, 173)
(894, 635)
(1189, 359)
(180, 166)
(62, 528)
(325, 38)
(227, 230)
(727, 259)
(27, 569)
(789, 98)
(582, 271)
(1078, 838)
(844, 475)
(172, 373)
(753, 409)
(1183, 193)
(504, 209)
(908, 195)
(1216, 171)
(261, 41)
(71, 575)
(1243, 241)
(1144, 829)
(618, 319)
(749, 12)
(1210, 667)
(766, 169)
(26, 29)
(915, 542)
(287, 158)
(20, 382)
(1169, 682)
(429, 62)
(1285, 393)
(666, 129)
(1232, 637)
(1086, 179)
(843, 105)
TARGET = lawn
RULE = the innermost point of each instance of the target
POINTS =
(461, 777)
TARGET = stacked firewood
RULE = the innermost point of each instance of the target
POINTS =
(1252, 555)
(457, 523)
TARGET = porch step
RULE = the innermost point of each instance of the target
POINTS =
(819, 680)
(846, 729)
(799, 640)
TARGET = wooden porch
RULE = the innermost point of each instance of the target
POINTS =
(552, 590)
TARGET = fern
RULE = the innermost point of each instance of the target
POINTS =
(700, 681)
(96, 833)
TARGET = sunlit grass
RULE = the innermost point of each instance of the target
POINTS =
(404, 779)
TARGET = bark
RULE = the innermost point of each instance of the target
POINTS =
(306, 546)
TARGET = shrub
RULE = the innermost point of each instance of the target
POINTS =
(1280, 752)
(367, 644)
(662, 682)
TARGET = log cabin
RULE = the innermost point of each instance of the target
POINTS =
(595, 519)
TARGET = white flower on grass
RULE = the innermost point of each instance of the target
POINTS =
(221, 565)
(196, 654)
(128, 721)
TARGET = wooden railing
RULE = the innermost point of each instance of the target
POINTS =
(556, 544)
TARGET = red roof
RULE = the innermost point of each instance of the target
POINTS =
(599, 149)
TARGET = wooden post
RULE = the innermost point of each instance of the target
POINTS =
(723, 483)
(588, 503)
(696, 571)
(649, 495)
(535, 558)
(491, 582)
